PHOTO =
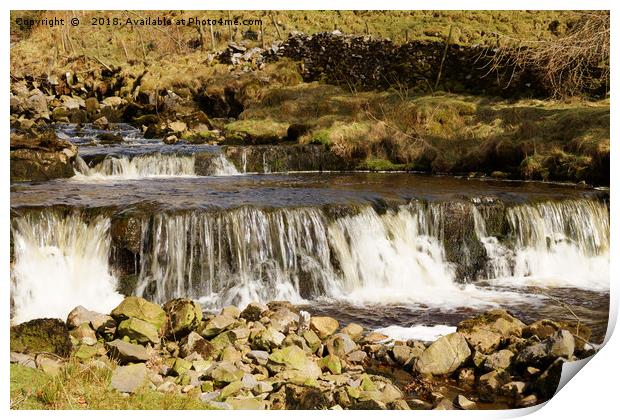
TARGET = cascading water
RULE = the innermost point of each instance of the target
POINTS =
(299, 254)
(142, 166)
(60, 262)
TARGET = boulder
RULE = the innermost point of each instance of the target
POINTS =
(514, 389)
(44, 335)
(465, 404)
(354, 331)
(340, 345)
(126, 352)
(495, 320)
(313, 340)
(324, 326)
(560, 344)
(113, 101)
(225, 373)
(91, 104)
(268, 339)
(129, 378)
(444, 356)
(498, 361)
(84, 334)
(284, 320)
(254, 311)
(184, 315)
(547, 383)
(195, 343)
(80, 315)
(332, 363)
(293, 357)
(482, 339)
(490, 383)
(41, 157)
(216, 325)
(138, 330)
(137, 307)
(401, 354)
(231, 311)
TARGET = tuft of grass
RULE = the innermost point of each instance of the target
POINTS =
(256, 130)
(79, 386)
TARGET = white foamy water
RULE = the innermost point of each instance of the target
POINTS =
(155, 165)
(60, 262)
(417, 332)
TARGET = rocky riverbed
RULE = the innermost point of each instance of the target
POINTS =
(276, 356)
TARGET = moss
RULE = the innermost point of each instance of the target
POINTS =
(373, 164)
(256, 131)
(44, 335)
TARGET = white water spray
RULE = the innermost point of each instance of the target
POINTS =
(61, 262)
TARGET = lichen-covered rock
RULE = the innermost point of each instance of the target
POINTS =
(490, 383)
(129, 378)
(45, 335)
(126, 352)
(323, 326)
(340, 345)
(138, 330)
(331, 363)
(195, 343)
(80, 315)
(540, 354)
(353, 330)
(225, 373)
(444, 356)
(498, 361)
(268, 339)
(84, 334)
(184, 315)
(295, 358)
(254, 311)
(216, 325)
(142, 309)
(482, 339)
(495, 320)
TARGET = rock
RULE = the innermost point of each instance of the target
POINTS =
(284, 320)
(357, 356)
(340, 345)
(23, 359)
(498, 361)
(167, 388)
(253, 312)
(194, 343)
(324, 326)
(247, 404)
(84, 335)
(177, 127)
(129, 378)
(490, 383)
(41, 157)
(375, 337)
(109, 138)
(444, 356)
(231, 311)
(547, 383)
(138, 330)
(172, 139)
(332, 363)
(295, 358)
(71, 102)
(402, 354)
(514, 389)
(462, 402)
(101, 123)
(80, 315)
(126, 352)
(85, 352)
(225, 373)
(399, 405)
(223, 340)
(202, 365)
(136, 307)
(113, 101)
(268, 339)
(560, 344)
(390, 394)
(313, 340)
(528, 401)
(216, 325)
(48, 363)
(91, 104)
(230, 354)
(44, 335)
(495, 320)
(444, 404)
(482, 339)
(181, 366)
(184, 315)
(466, 377)
(417, 404)
(260, 356)
(354, 331)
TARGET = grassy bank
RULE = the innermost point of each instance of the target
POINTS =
(79, 386)
(444, 133)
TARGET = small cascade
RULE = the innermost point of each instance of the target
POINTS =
(60, 262)
(220, 166)
(142, 166)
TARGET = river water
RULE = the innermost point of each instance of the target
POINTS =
(408, 254)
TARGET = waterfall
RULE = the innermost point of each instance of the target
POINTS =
(221, 166)
(142, 166)
(236, 257)
(248, 254)
(60, 262)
